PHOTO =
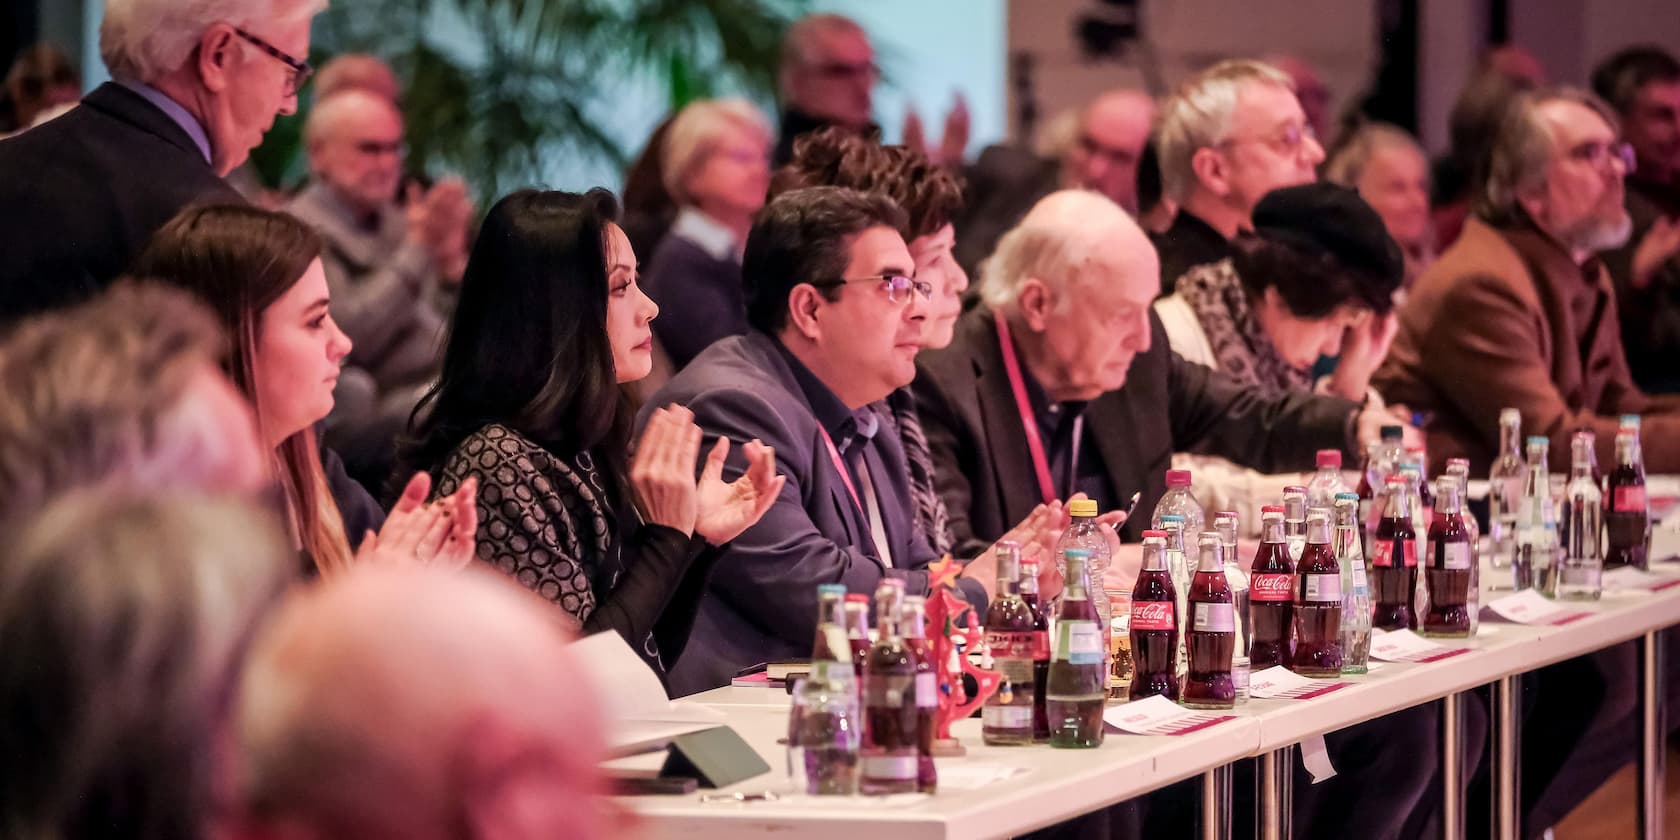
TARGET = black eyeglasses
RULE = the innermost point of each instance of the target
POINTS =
(301, 70)
(897, 286)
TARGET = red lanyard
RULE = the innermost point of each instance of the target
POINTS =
(845, 475)
(1023, 406)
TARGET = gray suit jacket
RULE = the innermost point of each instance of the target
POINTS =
(761, 603)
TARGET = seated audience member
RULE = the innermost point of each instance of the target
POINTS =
(358, 71)
(1310, 91)
(195, 86)
(717, 168)
(1519, 311)
(1390, 171)
(1472, 126)
(550, 323)
(41, 82)
(1066, 332)
(1643, 85)
(125, 620)
(1229, 135)
(1007, 181)
(826, 76)
(122, 391)
(929, 196)
(418, 704)
(647, 207)
(837, 321)
(260, 272)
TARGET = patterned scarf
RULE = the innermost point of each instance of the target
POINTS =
(1241, 349)
(931, 514)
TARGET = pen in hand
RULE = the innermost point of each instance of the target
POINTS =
(1131, 507)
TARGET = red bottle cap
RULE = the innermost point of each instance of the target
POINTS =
(1329, 458)
(1295, 489)
(1397, 479)
(1265, 509)
(1148, 534)
(1218, 514)
(857, 598)
(1178, 478)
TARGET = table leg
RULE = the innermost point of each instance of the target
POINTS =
(1216, 803)
(1653, 736)
(1277, 805)
(1506, 764)
(1452, 767)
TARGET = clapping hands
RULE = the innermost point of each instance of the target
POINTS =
(662, 473)
(439, 533)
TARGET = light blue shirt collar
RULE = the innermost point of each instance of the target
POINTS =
(716, 240)
(180, 115)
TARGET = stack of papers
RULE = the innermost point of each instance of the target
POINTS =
(638, 715)
(1407, 646)
(1160, 716)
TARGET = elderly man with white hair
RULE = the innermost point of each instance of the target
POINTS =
(195, 86)
(1227, 136)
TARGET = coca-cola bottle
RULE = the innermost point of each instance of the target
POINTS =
(1371, 478)
(1180, 501)
(1446, 610)
(1318, 603)
(1535, 563)
(1423, 513)
(1327, 482)
(1459, 469)
(1077, 687)
(1582, 575)
(1271, 593)
(1040, 648)
(1154, 625)
(1394, 561)
(1210, 631)
(1007, 717)
(1378, 469)
(1505, 486)
(1294, 519)
(1356, 590)
(824, 723)
(1226, 523)
(891, 716)
(856, 609)
(913, 626)
(1627, 513)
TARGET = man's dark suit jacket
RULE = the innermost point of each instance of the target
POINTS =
(1167, 404)
(1002, 185)
(761, 602)
(81, 194)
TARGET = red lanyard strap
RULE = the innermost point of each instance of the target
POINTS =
(1023, 406)
(840, 466)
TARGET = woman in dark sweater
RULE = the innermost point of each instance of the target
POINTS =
(550, 322)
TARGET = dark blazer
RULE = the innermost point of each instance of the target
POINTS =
(1001, 186)
(81, 194)
(699, 296)
(1167, 405)
(1187, 243)
(761, 602)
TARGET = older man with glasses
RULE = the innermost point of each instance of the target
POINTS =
(195, 86)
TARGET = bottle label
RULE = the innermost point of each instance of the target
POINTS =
(927, 690)
(889, 691)
(1011, 645)
(1383, 553)
(1153, 615)
(1214, 618)
(826, 670)
(1322, 587)
(1357, 567)
(1006, 717)
(1079, 642)
(889, 766)
(1041, 646)
(1455, 555)
(1271, 586)
(1629, 499)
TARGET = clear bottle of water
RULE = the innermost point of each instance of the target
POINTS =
(1085, 534)
(1582, 575)
(1179, 501)
(825, 723)
(1327, 482)
(1179, 567)
(1505, 487)
(1295, 520)
(1533, 563)
(1356, 588)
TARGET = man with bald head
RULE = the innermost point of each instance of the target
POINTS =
(1006, 181)
(417, 704)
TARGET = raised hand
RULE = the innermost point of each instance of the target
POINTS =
(440, 533)
(1363, 349)
(953, 143)
(725, 509)
(1658, 246)
(662, 470)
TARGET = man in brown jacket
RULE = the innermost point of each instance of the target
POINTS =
(1519, 311)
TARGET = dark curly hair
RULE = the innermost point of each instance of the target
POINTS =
(930, 195)
(1312, 284)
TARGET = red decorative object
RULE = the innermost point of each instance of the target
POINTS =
(950, 617)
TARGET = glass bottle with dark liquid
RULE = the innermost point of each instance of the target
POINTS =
(856, 608)
(1210, 631)
(1447, 578)
(1077, 687)
(891, 719)
(1318, 603)
(913, 627)
(1459, 469)
(1154, 626)
(1394, 561)
(1007, 717)
(1271, 592)
(1627, 512)
(1041, 648)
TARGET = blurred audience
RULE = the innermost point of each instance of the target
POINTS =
(1391, 172)
(648, 207)
(125, 617)
(358, 71)
(422, 705)
(1103, 155)
(716, 165)
(929, 195)
(1472, 128)
(261, 273)
(123, 391)
(1310, 91)
(195, 86)
(1519, 312)
(827, 76)
(1228, 136)
(550, 323)
(1643, 85)
(41, 84)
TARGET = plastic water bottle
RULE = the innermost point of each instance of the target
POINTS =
(1179, 501)
(1327, 482)
(1085, 534)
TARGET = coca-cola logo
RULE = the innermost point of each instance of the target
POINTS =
(1271, 587)
(1152, 615)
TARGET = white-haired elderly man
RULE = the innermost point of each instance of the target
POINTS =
(1226, 137)
(195, 86)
